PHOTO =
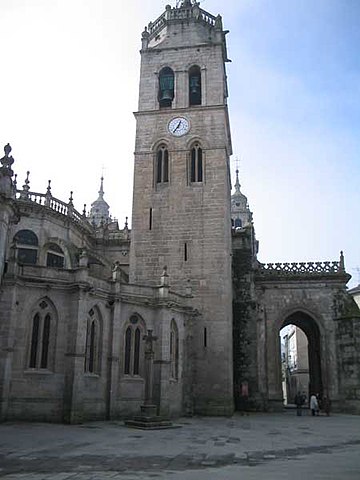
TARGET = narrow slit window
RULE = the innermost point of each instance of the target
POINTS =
(185, 252)
(150, 218)
(174, 350)
(137, 352)
(205, 337)
(34, 341)
(45, 342)
(92, 348)
(159, 166)
(127, 351)
(166, 166)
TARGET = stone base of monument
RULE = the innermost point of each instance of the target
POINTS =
(149, 420)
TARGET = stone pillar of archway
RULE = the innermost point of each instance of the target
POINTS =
(275, 393)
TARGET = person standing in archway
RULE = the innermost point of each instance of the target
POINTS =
(314, 405)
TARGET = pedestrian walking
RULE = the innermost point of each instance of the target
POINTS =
(314, 405)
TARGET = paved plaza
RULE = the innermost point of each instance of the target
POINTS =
(253, 447)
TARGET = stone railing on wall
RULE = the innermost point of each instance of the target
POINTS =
(313, 269)
(182, 13)
(58, 206)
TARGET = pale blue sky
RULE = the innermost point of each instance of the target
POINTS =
(70, 84)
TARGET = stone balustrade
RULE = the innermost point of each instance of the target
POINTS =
(300, 268)
(183, 13)
(48, 201)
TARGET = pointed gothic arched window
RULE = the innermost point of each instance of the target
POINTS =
(42, 337)
(162, 165)
(93, 343)
(174, 350)
(137, 351)
(128, 336)
(195, 85)
(166, 87)
(196, 164)
(133, 349)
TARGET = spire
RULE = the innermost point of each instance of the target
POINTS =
(241, 215)
(101, 191)
(99, 212)
(237, 183)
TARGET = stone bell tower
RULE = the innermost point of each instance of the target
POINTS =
(181, 205)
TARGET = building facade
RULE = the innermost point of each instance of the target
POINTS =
(78, 294)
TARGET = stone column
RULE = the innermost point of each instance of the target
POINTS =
(7, 206)
(75, 357)
(114, 357)
(6, 214)
(149, 409)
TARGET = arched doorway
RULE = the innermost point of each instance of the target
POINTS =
(301, 370)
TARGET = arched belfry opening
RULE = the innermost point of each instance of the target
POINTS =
(300, 356)
(166, 87)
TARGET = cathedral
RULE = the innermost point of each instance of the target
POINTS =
(96, 320)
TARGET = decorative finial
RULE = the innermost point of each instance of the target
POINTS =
(24, 195)
(26, 185)
(7, 149)
(145, 33)
(84, 210)
(342, 262)
(48, 195)
(15, 181)
(218, 23)
(71, 198)
(126, 223)
(7, 161)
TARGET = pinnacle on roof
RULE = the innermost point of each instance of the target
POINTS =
(7, 161)
(99, 212)
(237, 183)
(101, 191)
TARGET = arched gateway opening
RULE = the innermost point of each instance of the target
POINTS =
(300, 356)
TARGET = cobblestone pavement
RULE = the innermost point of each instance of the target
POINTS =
(259, 446)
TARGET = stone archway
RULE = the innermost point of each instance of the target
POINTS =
(309, 326)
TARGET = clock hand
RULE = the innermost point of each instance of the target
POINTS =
(177, 126)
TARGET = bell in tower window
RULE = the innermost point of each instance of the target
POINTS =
(166, 87)
(195, 86)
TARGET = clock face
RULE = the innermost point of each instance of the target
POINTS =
(179, 126)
